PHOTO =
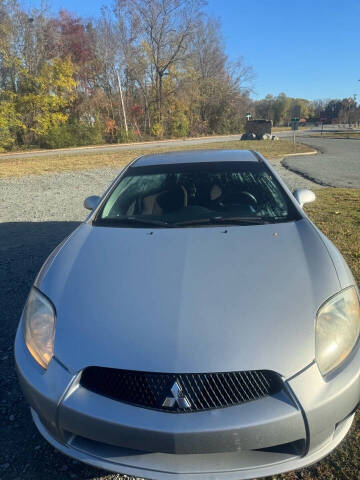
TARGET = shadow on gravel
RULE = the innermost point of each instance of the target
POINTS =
(24, 246)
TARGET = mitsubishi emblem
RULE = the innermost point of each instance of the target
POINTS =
(177, 397)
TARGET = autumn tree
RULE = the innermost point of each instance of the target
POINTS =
(44, 100)
(280, 109)
(220, 87)
(10, 121)
(165, 29)
(142, 68)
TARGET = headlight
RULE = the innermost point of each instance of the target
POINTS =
(337, 329)
(39, 327)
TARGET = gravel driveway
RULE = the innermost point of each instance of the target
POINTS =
(36, 213)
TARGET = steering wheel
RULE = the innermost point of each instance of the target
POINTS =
(234, 199)
(249, 196)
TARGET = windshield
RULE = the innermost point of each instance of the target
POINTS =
(197, 193)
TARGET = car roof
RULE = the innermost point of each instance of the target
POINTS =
(197, 156)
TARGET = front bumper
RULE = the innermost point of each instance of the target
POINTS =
(295, 428)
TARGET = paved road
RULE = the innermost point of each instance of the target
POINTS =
(124, 146)
(131, 146)
(337, 165)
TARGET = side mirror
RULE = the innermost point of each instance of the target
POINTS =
(92, 202)
(303, 195)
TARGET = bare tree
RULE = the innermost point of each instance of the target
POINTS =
(166, 28)
(208, 50)
(222, 86)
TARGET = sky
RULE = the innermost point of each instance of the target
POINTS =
(307, 49)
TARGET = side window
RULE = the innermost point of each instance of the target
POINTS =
(122, 186)
(130, 190)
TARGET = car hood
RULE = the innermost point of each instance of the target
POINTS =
(183, 300)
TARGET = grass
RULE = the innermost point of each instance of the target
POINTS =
(286, 129)
(337, 135)
(13, 166)
(336, 212)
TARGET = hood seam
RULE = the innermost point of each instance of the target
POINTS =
(319, 233)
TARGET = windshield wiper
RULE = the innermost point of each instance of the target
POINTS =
(215, 220)
(135, 221)
(227, 221)
(243, 220)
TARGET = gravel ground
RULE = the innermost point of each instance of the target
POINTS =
(338, 164)
(37, 212)
(60, 196)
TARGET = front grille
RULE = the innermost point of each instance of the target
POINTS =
(194, 392)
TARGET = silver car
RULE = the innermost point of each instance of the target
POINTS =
(197, 325)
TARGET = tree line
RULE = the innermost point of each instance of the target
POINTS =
(141, 69)
(281, 109)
